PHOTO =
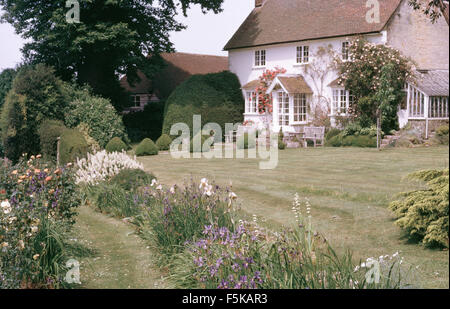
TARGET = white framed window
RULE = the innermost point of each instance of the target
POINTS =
(302, 54)
(251, 100)
(438, 107)
(300, 108)
(345, 51)
(342, 101)
(136, 100)
(283, 109)
(260, 58)
(416, 104)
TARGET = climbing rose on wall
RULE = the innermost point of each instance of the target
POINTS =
(264, 99)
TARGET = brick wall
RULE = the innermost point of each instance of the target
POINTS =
(415, 36)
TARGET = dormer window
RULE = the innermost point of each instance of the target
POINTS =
(260, 58)
(345, 51)
(302, 54)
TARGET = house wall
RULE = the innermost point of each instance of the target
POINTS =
(241, 62)
(417, 37)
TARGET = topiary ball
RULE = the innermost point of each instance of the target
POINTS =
(146, 148)
(116, 145)
(164, 142)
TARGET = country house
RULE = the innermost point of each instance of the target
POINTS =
(293, 34)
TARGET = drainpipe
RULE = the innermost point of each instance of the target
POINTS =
(427, 101)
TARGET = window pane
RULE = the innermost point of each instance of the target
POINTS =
(263, 57)
(305, 54)
(299, 54)
(345, 50)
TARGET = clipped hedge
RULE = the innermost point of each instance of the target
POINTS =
(72, 146)
(216, 97)
(423, 214)
(49, 131)
(147, 123)
(164, 142)
(116, 145)
(146, 148)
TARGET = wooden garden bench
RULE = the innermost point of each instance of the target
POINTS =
(315, 134)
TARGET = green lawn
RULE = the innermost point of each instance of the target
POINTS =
(349, 189)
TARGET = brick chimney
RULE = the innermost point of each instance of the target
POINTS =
(259, 3)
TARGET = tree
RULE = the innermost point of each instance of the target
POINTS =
(36, 94)
(434, 9)
(113, 37)
(6, 79)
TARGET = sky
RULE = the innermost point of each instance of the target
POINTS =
(206, 34)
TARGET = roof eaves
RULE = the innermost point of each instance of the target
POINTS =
(302, 40)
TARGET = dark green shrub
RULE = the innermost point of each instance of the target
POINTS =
(6, 80)
(216, 97)
(36, 94)
(146, 148)
(281, 143)
(164, 142)
(72, 146)
(147, 123)
(13, 126)
(332, 133)
(423, 214)
(352, 128)
(351, 141)
(116, 145)
(442, 135)
(130, 179)
(335, 141)
(97, 114)
(244, 142)
(205, 144)
(49, 131)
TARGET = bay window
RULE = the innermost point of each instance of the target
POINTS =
(283, 109)
(300, 107)
(251, 100)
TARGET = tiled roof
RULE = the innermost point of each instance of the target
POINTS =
(295, 84)
(282, 21)
(252, 84)
(433, 82)
(180, 66)
(335, 84)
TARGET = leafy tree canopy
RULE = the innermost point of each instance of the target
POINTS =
(113, 37)
(434, 9)
(6, 79)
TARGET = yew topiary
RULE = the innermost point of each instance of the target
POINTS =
(146, 148)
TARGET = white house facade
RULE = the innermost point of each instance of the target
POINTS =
(268, 40)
